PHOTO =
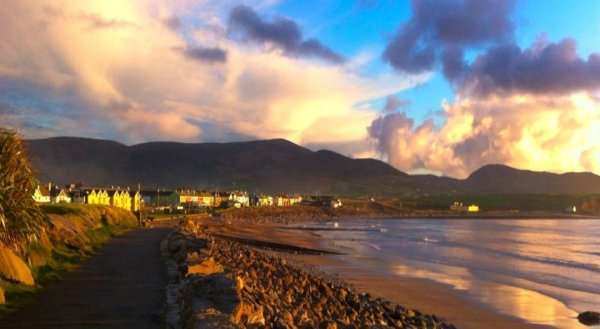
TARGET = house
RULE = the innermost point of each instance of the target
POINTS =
(220, 199)
(335, 203)
(460, 207)
(77, 196)
(99, 197)
(296, 199)
(241, 198)
(264, 201)
(136, 202)
(60, 195)
(457, 206)
(206, 199)
(322, 201)
(282, 201)
(91, 197)
(160, 198)
(41, 195)
(120, 199)
(188, 197)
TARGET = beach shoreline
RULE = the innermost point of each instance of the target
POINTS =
(426, 295)
(219, 278)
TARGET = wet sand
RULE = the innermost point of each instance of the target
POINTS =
(424, 295)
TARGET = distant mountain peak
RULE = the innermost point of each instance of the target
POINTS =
(270, 166)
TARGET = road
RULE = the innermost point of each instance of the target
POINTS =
(120, 287)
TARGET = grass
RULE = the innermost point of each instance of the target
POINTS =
(19, 296)
(63, 209)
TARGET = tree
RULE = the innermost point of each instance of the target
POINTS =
(20, 217)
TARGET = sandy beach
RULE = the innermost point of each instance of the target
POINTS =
(422, 294)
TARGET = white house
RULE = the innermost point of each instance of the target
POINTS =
(241, 198)
(41, 195)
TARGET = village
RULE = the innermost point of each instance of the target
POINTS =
(171, 201)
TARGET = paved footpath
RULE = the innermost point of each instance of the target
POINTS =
(120, 287)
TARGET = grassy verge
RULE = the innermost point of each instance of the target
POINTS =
(78, 231)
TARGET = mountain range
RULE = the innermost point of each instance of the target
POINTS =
(270, 166)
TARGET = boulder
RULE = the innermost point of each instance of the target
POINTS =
(589, 318)
(207, 267)
(13, 268)
(248, 314)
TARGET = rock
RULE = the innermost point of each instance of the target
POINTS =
(2, 298)
(208, 266)
(239, 283)
(248, 314)
(13, 268)
(589, 318)
(328, 325)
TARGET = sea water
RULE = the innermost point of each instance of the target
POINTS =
(542, 271)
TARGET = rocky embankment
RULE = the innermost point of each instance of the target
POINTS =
(219, 283)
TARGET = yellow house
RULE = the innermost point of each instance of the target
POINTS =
(100, 197)
(104, 198)
(206, 199)
(121, 199)
(136, 202)
(473, 208)
(265, 201)
(92, 197)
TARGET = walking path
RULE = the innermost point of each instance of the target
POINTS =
(120, 287)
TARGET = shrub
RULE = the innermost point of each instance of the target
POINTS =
(20, 218)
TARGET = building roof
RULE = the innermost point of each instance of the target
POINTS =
(43, 190)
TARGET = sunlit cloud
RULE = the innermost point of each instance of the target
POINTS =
(557, 133)
(140, 71)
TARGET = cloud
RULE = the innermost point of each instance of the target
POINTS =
(393, 103)
(445, 28)
(205, 54)
(538, 132)
(531, 108)
(439, 32)
(282, 33)
(99, 22)
(543, 68)
(114, 83)
(173, 22)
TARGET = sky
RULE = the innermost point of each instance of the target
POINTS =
(434, 86)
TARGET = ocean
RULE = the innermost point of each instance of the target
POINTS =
(541, 271)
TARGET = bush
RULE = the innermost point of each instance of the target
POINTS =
(20, 218)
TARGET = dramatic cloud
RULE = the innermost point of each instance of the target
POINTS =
(531, 108)
(543, 68)
(441, 32)
(190, 83)
(282, 33)
(442, 29)
(558, 133)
